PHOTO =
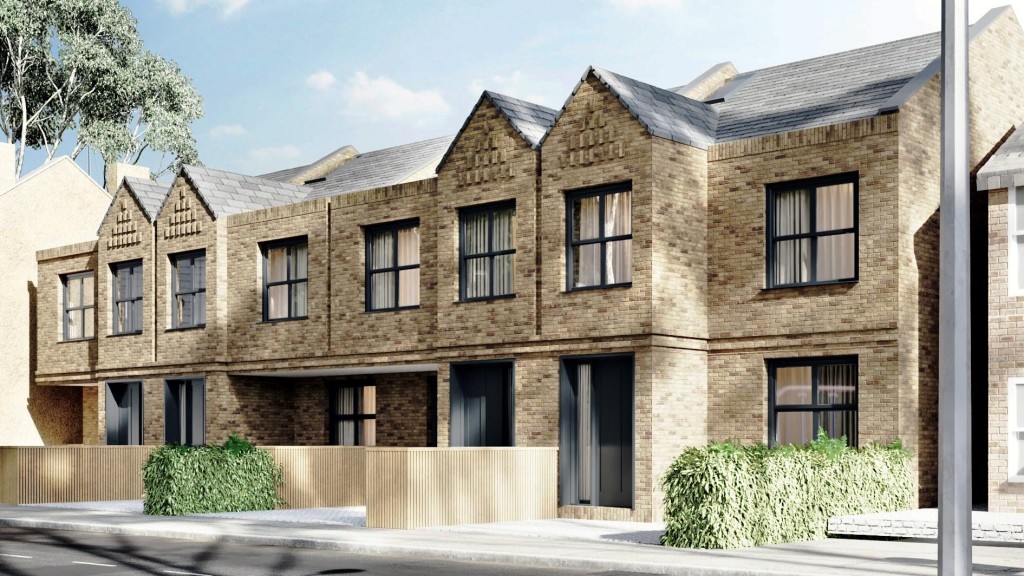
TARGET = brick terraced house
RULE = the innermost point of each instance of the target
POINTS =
(753, 255)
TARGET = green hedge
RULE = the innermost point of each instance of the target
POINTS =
(730, 496)
(235, 477)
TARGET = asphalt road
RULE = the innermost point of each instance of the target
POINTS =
(32, 552)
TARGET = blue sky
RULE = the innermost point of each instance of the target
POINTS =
(285, 82)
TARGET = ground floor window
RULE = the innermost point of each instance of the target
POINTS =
(482, 404)
(185, 411)
(353, 415)
(596, 431)
(808, 394)
(124, 413)
(1015, 426)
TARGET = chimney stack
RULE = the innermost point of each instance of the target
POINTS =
(116, 172)
(7, 161)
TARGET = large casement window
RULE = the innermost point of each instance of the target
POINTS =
(482, 404)
(808, 394)
(79, 316)
(127, 292)
(353, 415)
(1015, 428)
(596, 431)
(188, 290)
(185, 411)
(285, 279)
(1015, 220)
(393, 266)
(487, 251)
(599, 237)
(124, 413)
(812, 231)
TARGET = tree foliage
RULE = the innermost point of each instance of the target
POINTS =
(79, 67)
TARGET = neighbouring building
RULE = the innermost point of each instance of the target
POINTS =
(753, 255)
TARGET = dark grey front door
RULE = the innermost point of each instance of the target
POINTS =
(597, 431)
(124, 413)
(482, 404)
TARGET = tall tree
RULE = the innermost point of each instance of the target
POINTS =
(78, 67)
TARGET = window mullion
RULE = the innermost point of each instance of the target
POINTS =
(601, 235)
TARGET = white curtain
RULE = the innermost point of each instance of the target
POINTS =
(478, 270)
(587, 258)
(409, 254)
(792, 257)
(834, 211)
(382, 284)
(346, 405)
(618, 217)
(503, 234)
(369, 426)
(89, 300)
(793, 387)
(277, 271)
(74, 300)
(586, 447)
(299, 256)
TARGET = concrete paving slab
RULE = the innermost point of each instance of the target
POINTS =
(924, 523)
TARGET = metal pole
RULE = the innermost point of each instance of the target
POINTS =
(954, 302)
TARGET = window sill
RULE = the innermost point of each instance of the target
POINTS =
(279, 320)
(73, 340)
(600, 287)
(186, 328)
(1015, 480)
(811, 285)
(485, 299)
(399, 309)
(139, 333)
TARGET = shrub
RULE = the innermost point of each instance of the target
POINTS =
(729, 496)
(235, 477)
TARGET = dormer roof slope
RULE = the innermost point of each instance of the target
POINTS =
(531, 121)
(149, 194)
(226, 193)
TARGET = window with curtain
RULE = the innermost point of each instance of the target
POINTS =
(487, 251)
(393, 266)
(1015, 428)
(812, 232)
(600, 237)
(353, 415)
(188, 290)
(285, 279)
(1015, 219)
(79, 306)
(809, 394)
(127, 291)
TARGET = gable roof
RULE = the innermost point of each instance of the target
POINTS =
(226, 193)
(149, 194)
(1005, 167)
(381, 167)
(661, 112)
(531, 121)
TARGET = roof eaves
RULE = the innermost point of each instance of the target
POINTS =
(935, 66)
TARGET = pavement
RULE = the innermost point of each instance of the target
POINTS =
(840, 557)
(924, 523)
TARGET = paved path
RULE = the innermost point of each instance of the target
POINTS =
(346, 516)
(924, 523)
(834, 557)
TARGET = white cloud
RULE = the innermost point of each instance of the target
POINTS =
(227, 130)
(382, 97)
(320, 80)
(274, 154)
(226, 7)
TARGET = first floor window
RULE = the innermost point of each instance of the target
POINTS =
(1015, 445)
(353, 415)
(393, 266)
(185, 411)
(79, 318)
(487, 251)
(127, 290)
(812, 231)
(285, 278)
(600, 237)
(188, 289)
(811, 394)
(1015, 219)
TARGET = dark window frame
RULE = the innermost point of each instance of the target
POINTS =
(369, 272)
(288, 243)
(334, 418)
(602, 192)
(490, 254)
(176, 260)
(814, 362)
(64, 279)
(771, 190)
(133, 267)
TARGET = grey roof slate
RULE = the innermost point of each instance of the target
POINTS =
(149, 193)
(381, 167)
(1005, 167)
(662, 112)
(226, 193)
(286, 174)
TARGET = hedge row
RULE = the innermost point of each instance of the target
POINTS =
(729, 496)
(235, 477)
